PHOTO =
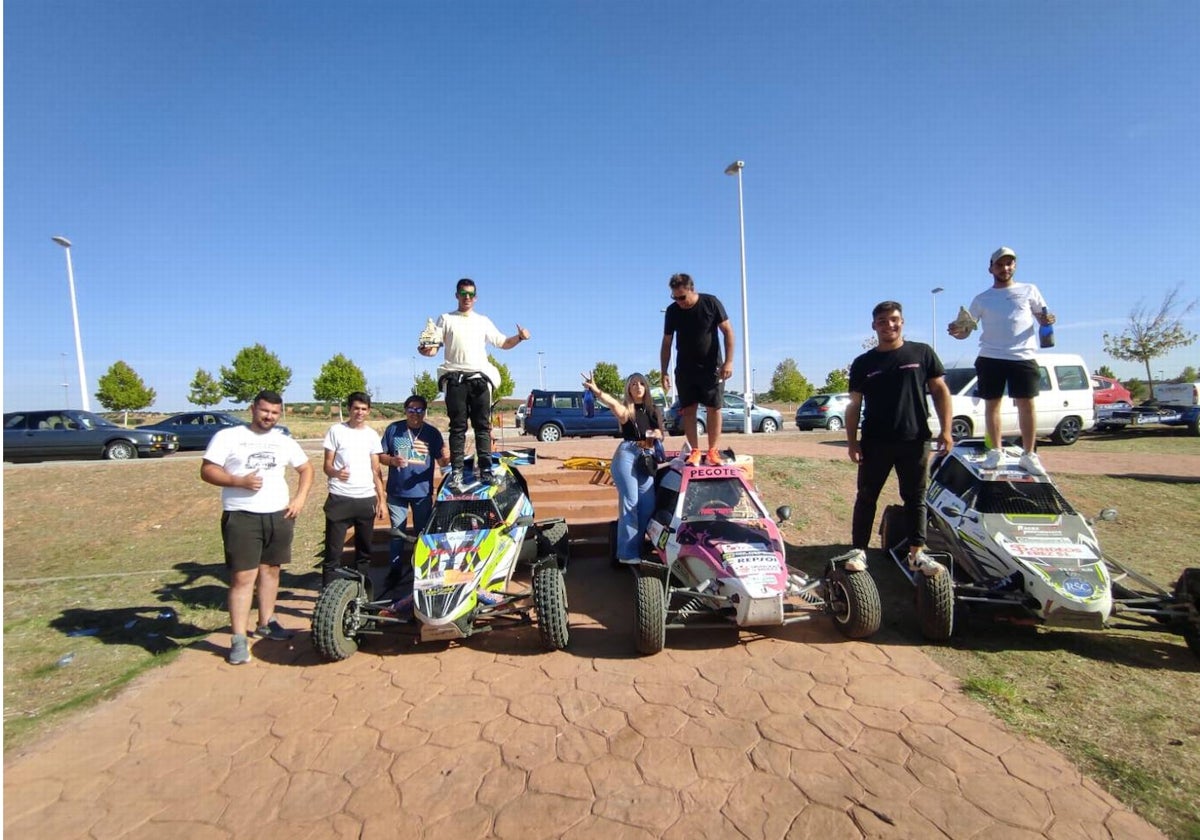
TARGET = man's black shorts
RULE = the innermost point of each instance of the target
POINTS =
(1021, 377)
(699, 389)
(252, 539)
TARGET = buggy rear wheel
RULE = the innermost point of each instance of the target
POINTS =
(550, 602)
(853, 602)
(891, 526)
(337, 619)
(935, 606)
(651, 614)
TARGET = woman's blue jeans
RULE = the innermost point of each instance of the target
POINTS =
(635, 504)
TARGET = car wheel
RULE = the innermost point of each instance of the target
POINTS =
(1067, 431)
(853, 602)
(120, 450)
(549, 433)
(960, 427)
(651, 614)
(700, 427)
(550, 603)
(835, 424)
(337, 618)
(769, 426)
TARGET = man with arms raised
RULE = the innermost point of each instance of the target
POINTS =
(249, 464)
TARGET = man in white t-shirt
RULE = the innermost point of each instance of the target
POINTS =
(1010, 314)
(249, 464)
(468, 379)
(355, 486)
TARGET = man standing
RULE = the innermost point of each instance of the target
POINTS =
(248, 463)
(411, 448)
(700, 373)
(892, 379)
(355, 486)
(468, 379)
(1010, 314)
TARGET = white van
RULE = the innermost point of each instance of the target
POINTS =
(1064, 407)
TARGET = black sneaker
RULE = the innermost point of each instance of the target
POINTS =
(274, 631)
(456, 485)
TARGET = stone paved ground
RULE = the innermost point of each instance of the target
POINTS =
(794, 734)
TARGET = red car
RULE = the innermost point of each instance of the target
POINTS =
(1107, 391)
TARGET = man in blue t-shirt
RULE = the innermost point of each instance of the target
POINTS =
(411, 449)
(892, 379)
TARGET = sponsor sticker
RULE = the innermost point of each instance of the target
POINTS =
(1078, 587)
(1052, 551)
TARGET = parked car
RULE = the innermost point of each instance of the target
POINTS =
(196, 428)
(733, 417)
(1064, 406)
(1107, 391)
(553, 415)
(64, 433)
(824, 411)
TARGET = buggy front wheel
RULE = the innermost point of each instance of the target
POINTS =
(651, 614)
(853, 601)
(935, 606)
(550, 602)
(337, 618)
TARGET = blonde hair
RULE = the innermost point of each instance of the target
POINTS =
(647, 400)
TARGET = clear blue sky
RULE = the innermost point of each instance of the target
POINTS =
(315, 176)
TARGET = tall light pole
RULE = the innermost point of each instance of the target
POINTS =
(735, 168)
(541, 370)
(66, 244)
(66, 386)
(933, 293)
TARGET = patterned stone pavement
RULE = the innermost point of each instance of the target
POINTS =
(796, 733)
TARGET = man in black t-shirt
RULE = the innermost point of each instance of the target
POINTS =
(893, 378)
(700, 371)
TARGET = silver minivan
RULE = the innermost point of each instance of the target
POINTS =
(1064, 407)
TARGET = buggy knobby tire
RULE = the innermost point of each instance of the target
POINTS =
(935, 605)
(891, 526)
(853, 601)
(336, 619)
(553, 540)
(550, 602)
(651, 614)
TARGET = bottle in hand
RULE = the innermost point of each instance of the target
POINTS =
(1046, 331)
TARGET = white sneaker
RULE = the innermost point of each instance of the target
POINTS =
(1032, 464)
(854, 560)
(630, 561)
(921, 562)
(992, 460)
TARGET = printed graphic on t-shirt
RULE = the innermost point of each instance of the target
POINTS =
(406, 447)
(260, 461)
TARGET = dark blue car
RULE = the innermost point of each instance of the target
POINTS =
(196, 428)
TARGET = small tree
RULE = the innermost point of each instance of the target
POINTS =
(205, 390)
(608, 378)
(121, 389)
(1188, 374)
(254, 369)
(788, 383)
(654, 377)
(1106, 371)
(425, 386)
(836, 382)
(506, 386)
(870, 342)
(337, 379)
(1150, 335)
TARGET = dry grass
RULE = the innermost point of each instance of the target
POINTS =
(1119, 703)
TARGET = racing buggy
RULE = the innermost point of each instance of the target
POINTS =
(718, 561)
(1009, 545)
(463, 564)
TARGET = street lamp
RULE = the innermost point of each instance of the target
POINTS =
(735, 168)
(933, 296)
(66, 386)
(541, 370)
(66, 244)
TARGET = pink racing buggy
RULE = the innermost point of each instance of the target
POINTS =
(717, 560)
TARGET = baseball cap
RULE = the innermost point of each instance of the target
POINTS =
(1003, 252)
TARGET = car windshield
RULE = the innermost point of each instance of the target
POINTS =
(1013, 498)
(725, 497)
(463, 515)
(957, 378)
(94, 421)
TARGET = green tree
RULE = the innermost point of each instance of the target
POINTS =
(121, 389)
(654, 377)
(836, 382)
(205, 390)
(337, 379)
(608, 378)
(1152, 334)
(1137, 390)
(1188, 374)
(426, 386)
(506, 386)
(254, 369)
(788, 383)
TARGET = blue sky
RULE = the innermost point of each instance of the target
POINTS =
(315, 176)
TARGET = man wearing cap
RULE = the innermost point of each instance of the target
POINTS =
(1010, 314)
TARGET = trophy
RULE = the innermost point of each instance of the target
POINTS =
(964, 321)
(431, 336)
